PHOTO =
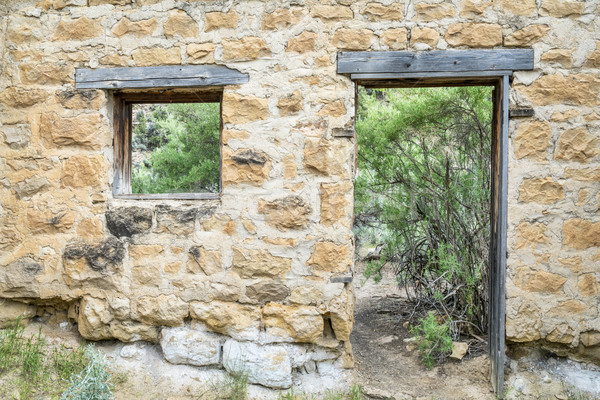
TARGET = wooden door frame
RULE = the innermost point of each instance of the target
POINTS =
(462, 68)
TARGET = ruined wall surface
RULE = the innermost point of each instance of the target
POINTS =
(249, 276)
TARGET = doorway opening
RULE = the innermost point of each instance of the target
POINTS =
(425, 194)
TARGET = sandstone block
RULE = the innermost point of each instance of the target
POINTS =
(19, 277)
(18, 96)
(245, 166)
(129, 331)
(203, 53)
(96, 263)
(37, 73)
(141, 254)
(429, 36)
(330, 257)
(148, 56)
(290, 170)
(233, 319)
(590, 338)
(307, 295)
(527, 36)
(334, 204)
(580, 89)
(395, 39)
(145, 27)
(583, 174)
(474, 35)
(563, 333)
(302, 43)
(335, 108)
(220, 20)
(22, 29)
(532, 139)
(31, 186)
(300, 323)
(341, 313)
(94, 318)
(577, 145)
(225, 286)
(207, 261)
(572, 309)
(581, 234)
(49, 221)
(83, 171)
(291, 104)
(529, 235)
(378, 11)
(266, 291)
(353, 39)
(115, 60)
(474, 8)
(10, 311)
(564, 116)
(177, 220)
(77, 29)
(539, 281)
(588, 285)
(259, 263)
(526, 8)
(220, 222)
(113, 2)
(561, 8)
(279, 19)
(84, 130)
(542, 191)
(291, 212)
(128, 221)
(321, 156)
(562, 57)
(525, 325)
(183, 345)
(238, 109)
(593, 60)
(331, 13)
(180, 24)
(245, 49)
(81, 98)
(268, 365)
(166, 310)
(434, 12)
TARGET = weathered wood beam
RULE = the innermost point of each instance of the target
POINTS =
(388, 62)
(158, 77)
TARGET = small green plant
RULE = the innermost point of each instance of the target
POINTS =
(433, 338)
(354, 393)
(93, 383)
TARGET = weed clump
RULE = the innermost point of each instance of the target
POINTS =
(433, 339)
(93, 382)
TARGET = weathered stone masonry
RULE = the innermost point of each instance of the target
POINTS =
(251, 274)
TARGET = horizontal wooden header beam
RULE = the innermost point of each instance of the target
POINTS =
(447, 61)
(176, 76)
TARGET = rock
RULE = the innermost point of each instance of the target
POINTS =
(587, 284)
(395, 39)
(583, 175)
(104, 257)
(429, 36)
(128, 221)
(245, 166)
(220, 20)
(81, 98)
(527, 36)
(529, 235)
(590, 338)
(83, 171)
(291, 104)
(177, 220)
(580, 234)
(290, 169)
(77, 29)
(563, 333)
(353, 39)
(331, 13)
(50, 221)
(141, 28)
(433, 12)
(37, 73)
(180, 24)
(307, 295)
(148, 56)
(129, 331)
(532, 140)
(577, 145)
(17, 96)
(376, 393)
(542, 191)
(31, 186)
(22, 29)
(10, 311)
(259, 263)
(527, 8)
(207, 261)
(386, 339)
(238, 109)
(579, 89)
(562, 57)
(16, 136)
(538, 281)
(299, 323)
(377, 11)
(188, 346)
(561, 8)
(302, 43)
(165, 309)
(84, 130)
(341, 313)
(335, 108)
(278, 19)
(225, 286)
(266, 365)
(241, 322)
(245, 49)
(291, 212)
(330, 257)
(472, 9)
(459, 350)
(94, 318)
(321, 156)
(473, 35)
(201, 53)
(593, 60)
(116, 60)
(265, 291)
(524, 325)
(334, 204)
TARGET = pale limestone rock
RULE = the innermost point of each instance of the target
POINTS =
(148, 56)
(395, 39)
(141, 28)
(433, 12)
(267, 290)
(302, 43)
(77, 29)
(164, 309)
(331, 13)
(18, 96)
(377, 11)
(22, 29)
(341, 313)
(84, 130)
(259, 263)
(31, 186)
(184, 345)
(291, 104)
(16, 136)
(474, 35)
(225, 286)
(579, 89)
(241, 322)
(291, 212)
(245, 49)
(220, 20)
(10, 311)
(590, 338)
(563, 333)
(83, 171)
(334, 204)
(542, 191)
(577, 145)
(180, 24)
(525, 325)
(307, 295)
(207, 261)
(353, 39)
(330, 257)
(580, 234)
(238, 109)
(94, 318)
(129, 331)
(268, 365)
(459, 350)
(532, 140)
(298, 323)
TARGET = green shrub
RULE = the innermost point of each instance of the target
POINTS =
(93, 383)
(433, 339)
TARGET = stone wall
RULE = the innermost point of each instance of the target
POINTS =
(249, 276)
